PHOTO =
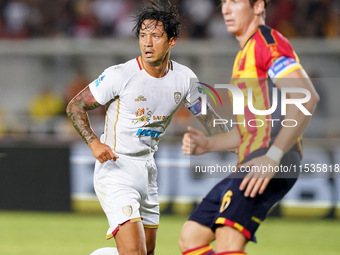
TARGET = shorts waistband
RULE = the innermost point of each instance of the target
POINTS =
(140, 155)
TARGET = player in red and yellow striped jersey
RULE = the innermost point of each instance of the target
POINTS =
(265, 57)
(233, 210)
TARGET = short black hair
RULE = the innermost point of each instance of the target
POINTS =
(162, 11)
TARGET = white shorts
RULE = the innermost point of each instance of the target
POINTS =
(127, 191)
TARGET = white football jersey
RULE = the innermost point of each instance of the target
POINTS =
(139, 106)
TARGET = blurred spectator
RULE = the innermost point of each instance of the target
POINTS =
(281, 17)
(108, 12)
(56, 18)
(85, 22)
(77, 84)
(216, 27)
(332, 28)
(316, 18)
(124, 25)
(16, 14)
(46, 105)
(22, 19)
(198, 11)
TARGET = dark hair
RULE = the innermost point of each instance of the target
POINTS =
(162, 11)
(252, 2)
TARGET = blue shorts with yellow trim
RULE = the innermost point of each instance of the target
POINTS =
(225, 204)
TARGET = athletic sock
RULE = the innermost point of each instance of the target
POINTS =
(106, 251)
(202, 250)
(232, 253)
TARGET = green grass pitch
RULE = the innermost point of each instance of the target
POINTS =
(33, 233)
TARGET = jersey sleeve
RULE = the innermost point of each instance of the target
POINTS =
(278, 56)
(108, 85)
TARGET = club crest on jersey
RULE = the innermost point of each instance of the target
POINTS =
(127, 210)
(140, 98)
(274, 51)
(177, 97)
(99, 80)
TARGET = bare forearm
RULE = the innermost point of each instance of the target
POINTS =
(225, 141)
(288, 136)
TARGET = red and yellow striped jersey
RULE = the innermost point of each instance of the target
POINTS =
(265, 57)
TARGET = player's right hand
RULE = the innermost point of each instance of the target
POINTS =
(194, 143)
(102, 152)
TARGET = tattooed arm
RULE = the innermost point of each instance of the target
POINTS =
(77, 112)
(208, 122)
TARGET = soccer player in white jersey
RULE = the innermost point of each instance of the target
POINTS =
(141, 97)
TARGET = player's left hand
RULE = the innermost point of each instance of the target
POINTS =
(257, 181)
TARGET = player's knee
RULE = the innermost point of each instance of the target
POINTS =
(229, 239)
(194, 235)
(151, 248)
(151, 252)
(150, 241)
(186, 240)
(182, 244)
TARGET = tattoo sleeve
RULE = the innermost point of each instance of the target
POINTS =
(77, 112)
(208, 122)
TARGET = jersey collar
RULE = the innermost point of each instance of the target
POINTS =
(251, 36)
(141, 67)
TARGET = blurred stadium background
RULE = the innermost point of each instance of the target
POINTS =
(50, 50)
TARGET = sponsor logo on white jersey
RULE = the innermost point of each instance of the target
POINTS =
(99, 80)
(148, 132)
(140, 98)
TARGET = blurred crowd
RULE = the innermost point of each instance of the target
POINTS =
(45, 111)
(22, 19)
